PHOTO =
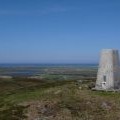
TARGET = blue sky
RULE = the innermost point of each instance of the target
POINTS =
(57, 31)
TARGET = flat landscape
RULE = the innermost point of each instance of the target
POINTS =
(54, 92)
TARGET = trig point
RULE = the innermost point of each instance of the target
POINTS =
(108, 77)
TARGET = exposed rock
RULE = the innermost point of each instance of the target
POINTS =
(6, 77)
(106, 105)
(57, 92)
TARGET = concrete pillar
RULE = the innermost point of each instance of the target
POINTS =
(108, 77)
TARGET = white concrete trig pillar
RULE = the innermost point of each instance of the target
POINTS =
(108, 77)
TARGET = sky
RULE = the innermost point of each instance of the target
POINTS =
(57, 31)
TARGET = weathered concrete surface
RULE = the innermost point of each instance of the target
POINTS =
(108, 77)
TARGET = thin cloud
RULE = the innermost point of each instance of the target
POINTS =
(12, 12)
(35, 12)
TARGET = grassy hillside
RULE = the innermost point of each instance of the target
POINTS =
(35, 99)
